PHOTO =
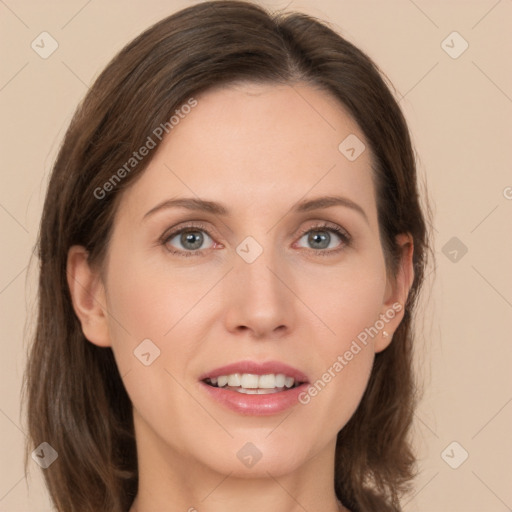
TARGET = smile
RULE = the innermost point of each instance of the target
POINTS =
(255, 388)
(252, 384)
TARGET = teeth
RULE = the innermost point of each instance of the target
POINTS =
(288, 382)
(280, 380)
(234, 380)
(253, 384)
(267, 381)
(249, 381)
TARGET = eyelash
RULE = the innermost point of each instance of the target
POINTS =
(322, 226)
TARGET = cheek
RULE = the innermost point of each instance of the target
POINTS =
(148, 298)
(148, 307)
(344, 363)
(349, 301)
(350, 305)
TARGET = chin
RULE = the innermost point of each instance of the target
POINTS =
(256, 455)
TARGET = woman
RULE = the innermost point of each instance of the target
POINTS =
(232, 246)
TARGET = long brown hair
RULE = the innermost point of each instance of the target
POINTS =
(76, 400)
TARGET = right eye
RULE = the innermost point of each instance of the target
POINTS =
(187, 241)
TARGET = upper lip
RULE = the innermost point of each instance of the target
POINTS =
(256, 368)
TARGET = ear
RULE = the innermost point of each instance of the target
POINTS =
(397, 291)
(88, 296)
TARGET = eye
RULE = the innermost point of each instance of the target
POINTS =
(325, 238)
(187, 241)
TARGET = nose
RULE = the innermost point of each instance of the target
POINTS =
(259, 298)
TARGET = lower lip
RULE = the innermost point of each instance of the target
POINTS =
(255, 405)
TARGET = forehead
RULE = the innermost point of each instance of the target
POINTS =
(258, 144)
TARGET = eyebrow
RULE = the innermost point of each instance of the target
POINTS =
(195, 204)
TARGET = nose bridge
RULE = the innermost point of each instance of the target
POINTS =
(260, 301)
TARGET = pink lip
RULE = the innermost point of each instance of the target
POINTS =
(257, 369)
(256, 405)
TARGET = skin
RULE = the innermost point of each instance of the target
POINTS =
(258, 149)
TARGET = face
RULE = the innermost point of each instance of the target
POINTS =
(263, 279)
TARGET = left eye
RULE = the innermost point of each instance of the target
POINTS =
(321, 238)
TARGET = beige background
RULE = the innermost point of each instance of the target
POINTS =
(459, 112)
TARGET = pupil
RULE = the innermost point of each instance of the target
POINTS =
(323, 238)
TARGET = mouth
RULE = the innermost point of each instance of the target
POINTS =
(253, 388)
(253, 384)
